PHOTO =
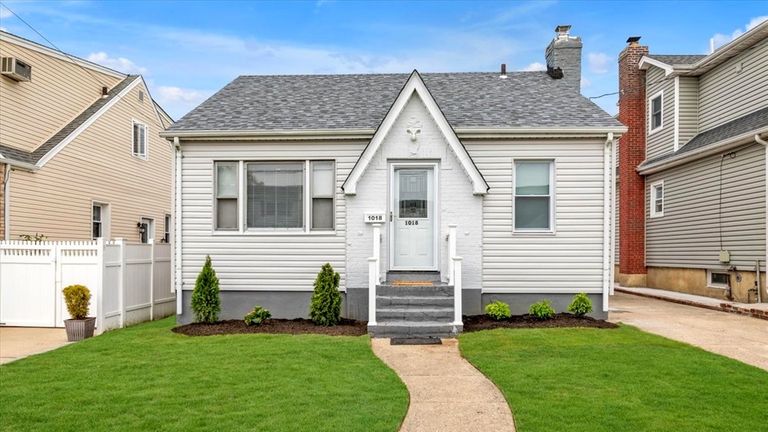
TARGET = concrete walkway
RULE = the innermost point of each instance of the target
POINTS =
(447, 393)
(755, 310)
(20, 342)
(740, 337)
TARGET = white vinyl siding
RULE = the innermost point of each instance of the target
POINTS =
(661, 140)
(688, 106)
(283, 261)
(725, 93)
(689, 233)
(569, 260)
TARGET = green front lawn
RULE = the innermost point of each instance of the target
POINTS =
(147, 378)
(617, 380)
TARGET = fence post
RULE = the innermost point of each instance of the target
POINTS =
(123, 279)
(58, 295)
(152, 280)
(457, 312)
(100, 285)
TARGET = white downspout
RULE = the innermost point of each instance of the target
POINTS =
(176, 241)
(614, 216)
(607, 176)
(7, 202)
(765, 144)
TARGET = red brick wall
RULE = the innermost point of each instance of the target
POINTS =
(631, 154)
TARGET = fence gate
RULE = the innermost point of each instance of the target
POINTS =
(32, 276)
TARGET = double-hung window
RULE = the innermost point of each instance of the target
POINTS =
(656, 112)
(279, 196)
(97, 221)
(167, 229)
(657, 199)
(533, 195)
(227, 193)
(139, 140)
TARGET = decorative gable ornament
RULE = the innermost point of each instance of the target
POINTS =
(413, 129)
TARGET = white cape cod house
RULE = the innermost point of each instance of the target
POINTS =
(498, 184)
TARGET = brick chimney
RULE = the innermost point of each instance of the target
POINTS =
(564, 52)
(632, 271)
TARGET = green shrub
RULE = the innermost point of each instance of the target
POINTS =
(257, 316)
(581, 305)
(542, 310)
(77, 297)
(498, 310)
(206, 303)
(326, 299)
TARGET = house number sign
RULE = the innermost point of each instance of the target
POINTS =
(374, 217)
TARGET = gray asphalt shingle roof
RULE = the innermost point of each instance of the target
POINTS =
(677, 59)
(34, 156)
(305, 102)
(751, 122)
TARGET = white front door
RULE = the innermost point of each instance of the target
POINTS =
(413, 222)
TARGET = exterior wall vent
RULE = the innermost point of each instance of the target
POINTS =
(16, 69)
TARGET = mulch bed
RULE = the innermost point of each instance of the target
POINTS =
(483, 322)
(346, 327)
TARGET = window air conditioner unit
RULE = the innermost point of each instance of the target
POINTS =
(16, 69)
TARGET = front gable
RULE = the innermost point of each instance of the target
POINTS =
(414, 92)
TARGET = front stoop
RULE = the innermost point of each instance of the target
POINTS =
(414, 304)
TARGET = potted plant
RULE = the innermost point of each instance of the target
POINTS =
(81, 325)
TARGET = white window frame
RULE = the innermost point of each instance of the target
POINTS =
(150, 229)
(242, 201)
(711, 284)
(552, 197)
(312, 194)
(145, 155)
(240, 191)
(652, 195)
(104, 219)
(651, 129)
(167, 227)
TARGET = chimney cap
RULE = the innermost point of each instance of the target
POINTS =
(633, 39)
(563, 29)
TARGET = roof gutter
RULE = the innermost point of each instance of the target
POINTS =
(18, 164)
(324, 134)
(709, 150)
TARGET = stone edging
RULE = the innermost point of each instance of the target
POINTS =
(723, 307)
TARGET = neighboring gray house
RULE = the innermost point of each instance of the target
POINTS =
(381, 175)
(692, 169)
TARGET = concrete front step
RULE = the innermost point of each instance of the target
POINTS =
(424, 301)
(419, 329)
(415, 314)
(387, 290)
(432, 276)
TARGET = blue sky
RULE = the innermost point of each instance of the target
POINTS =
(189, 50)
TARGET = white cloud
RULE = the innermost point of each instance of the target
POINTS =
(585, 82)
(5, 13)
(535, 66)
(722, 39)
(166, 94)
(120, 64)
(598, 62)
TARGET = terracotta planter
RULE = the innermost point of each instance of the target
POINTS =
(79, 329)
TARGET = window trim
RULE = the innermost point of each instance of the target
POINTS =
(167, 227)
(552, 197)
(652, 200)
(711, 284)
(651, 129)
(242, 223)
(150, 235)
(312, 192)
(134, 123)
(104, 219)
(215, 194)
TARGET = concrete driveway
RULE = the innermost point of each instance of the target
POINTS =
(740, 337)
(20, 342)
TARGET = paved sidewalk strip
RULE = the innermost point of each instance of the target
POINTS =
(20, 342)
(737, 336)
(447, 393)
(755, 310)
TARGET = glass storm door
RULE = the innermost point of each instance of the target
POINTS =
(413, 219)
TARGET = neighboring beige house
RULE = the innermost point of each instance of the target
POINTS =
(80, 154)
(692, 169)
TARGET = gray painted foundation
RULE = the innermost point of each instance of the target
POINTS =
(291, 304)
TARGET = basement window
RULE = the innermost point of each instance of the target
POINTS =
(718, 279)
(656, 112)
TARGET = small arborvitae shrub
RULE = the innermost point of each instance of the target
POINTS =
(581, 305)
(542, 310)
(257, 316)
(206, 303)
(326, 299)
(498, 310)
(77, 297)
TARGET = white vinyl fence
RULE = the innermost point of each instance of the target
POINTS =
(129, 283)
